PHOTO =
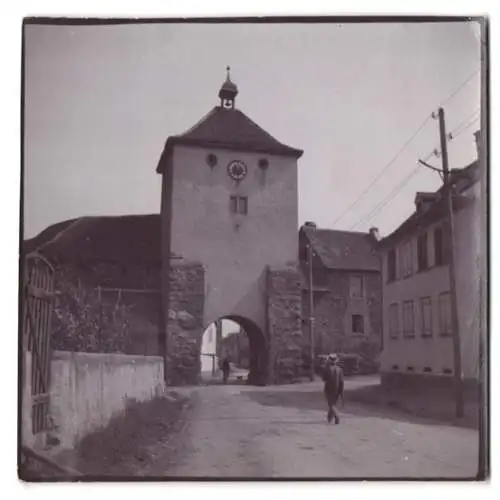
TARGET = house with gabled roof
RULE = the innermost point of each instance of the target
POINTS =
(418, 331)
(346, 289)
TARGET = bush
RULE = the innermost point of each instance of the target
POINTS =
(82, 322)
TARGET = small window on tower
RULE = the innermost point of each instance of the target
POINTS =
(238, 204)
(233, 204)
(243, 208)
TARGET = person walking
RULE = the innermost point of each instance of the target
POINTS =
(333, 378)
(226, 367)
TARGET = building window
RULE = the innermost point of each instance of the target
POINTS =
(445, 314)
(358, 324)
(426, 305)
(440, 247)
(408, 319)
(238, 204)
(422, 254)
(394, 321)
(356, 286)
(391, 265)
(406, 260)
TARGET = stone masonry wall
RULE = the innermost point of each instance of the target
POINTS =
(185, 322)
(284, 325)
(333, 308)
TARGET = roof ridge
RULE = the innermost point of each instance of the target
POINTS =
(263, 130)
(61, 233)
(330, 230)
(199, 122)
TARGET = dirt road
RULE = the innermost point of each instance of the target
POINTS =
(281, 432)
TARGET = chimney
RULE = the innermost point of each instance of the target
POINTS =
(374, 233)
(424, 201)
(477, 137)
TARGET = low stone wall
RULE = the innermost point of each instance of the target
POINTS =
(286, 341)
(88, 389)
(185, 322)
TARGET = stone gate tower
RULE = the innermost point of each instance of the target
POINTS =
(229, 202)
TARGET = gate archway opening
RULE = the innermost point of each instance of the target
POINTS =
(243, 343)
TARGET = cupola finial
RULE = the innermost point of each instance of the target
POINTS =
(228, 91)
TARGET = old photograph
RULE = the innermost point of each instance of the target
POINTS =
(254, 249)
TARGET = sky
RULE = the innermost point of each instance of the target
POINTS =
(100, 101)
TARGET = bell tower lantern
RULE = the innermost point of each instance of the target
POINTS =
(228, 92)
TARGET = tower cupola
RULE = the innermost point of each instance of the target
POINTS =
(228, 92)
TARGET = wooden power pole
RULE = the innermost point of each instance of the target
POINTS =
(311, 308)
(448, 191)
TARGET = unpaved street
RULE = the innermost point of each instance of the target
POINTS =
(239, 431)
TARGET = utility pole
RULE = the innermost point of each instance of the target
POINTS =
(311, 308)
(457, 352)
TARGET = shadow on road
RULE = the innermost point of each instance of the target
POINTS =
(314, 400)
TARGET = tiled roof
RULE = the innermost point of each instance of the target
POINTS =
(344, 250)
(121, 239)
(229, 129)
(462, 178)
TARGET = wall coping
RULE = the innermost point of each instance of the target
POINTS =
(107, 358)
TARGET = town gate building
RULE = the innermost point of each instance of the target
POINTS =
(229, 208)
(224, 246)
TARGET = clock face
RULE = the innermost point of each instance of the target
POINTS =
(237, 170)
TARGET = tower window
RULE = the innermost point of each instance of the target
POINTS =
(238, 205)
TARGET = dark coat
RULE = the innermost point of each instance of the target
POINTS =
(333, 378)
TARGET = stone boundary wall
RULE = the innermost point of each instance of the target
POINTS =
(88, 389)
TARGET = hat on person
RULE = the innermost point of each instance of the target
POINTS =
(333, 358)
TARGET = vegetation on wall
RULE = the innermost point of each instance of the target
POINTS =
(82, 322)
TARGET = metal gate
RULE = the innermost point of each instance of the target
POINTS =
(38, 295)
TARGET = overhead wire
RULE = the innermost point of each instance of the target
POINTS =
(465, 125)
(382, 172)
(405, 145)
(368, 217)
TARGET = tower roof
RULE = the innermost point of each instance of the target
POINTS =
(228, 129)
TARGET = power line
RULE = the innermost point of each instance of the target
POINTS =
(381, 173)
(387, 199)
(453, 132)
(453, 94)
(471, 122)
(405, 145)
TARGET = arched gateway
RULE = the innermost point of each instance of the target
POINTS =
(230, 209)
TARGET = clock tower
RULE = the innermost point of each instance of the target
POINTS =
(230, 202)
